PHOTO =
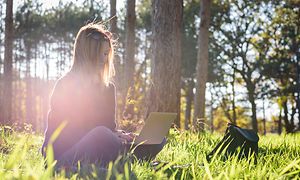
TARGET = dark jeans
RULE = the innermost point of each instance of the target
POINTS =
(101, 146)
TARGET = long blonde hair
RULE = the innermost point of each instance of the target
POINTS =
(87, 50)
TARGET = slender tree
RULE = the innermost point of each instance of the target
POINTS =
(113, 15)
(165, 73)
(189, 57)
(202, 65)
(129, 63)
(1, 60)
(189, 98)
(29, 95)
(8, 63)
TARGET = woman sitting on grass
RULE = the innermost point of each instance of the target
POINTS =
(84, 98)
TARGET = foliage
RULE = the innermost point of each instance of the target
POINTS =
(282, 65)
(220, 120)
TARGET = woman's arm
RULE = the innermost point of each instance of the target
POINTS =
(112, 107)
(124, 136)
(55, 114)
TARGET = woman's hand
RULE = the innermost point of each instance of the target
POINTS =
(124, 136)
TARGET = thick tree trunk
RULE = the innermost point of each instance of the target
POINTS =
(202, 66)
(129, 64)
(7, 94)
(164, 95)
(189, 101)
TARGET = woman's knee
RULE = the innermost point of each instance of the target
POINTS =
(105, 136)
(101, 130)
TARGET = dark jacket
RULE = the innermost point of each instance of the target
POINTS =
(82, 108)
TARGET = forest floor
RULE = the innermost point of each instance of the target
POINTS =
(182, 158)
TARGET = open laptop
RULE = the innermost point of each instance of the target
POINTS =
(156, 128)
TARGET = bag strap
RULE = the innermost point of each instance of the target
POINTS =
(226, 136)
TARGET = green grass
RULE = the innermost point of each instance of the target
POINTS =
(279, 158)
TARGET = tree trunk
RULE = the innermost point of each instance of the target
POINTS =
(19, 95)
(292, 118)
(47, 64)
(202, 65)
(212, 128)
(130, 44)
(129, 64)
(253, 106)
(264, 117)
(113, 15)
(233, 97)
(189, 101)
(118, 66)
(287, 124)
(1, 66)
(29, 103)
(164, 94)
(7, 94)
(298, 107)
(280, 122)
(295, 47)
(298, 88)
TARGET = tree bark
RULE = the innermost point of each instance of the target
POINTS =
(253, 106)
(212, 127)
(298, 87)
(287, 124)
(189, 102)
(264, 117)
(129, 64)
(164, 94)
(113, 15)
(130, 44)
(7, 94)
(233, 97)
(295, 47)
(118, 66)
(280, 121)
(29, 103)
(202, 66)
(1, 66)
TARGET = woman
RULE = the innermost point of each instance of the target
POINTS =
(84, 100)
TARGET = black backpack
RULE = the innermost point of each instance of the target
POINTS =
(246, 140)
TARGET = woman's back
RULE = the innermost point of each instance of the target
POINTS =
(82, 106)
